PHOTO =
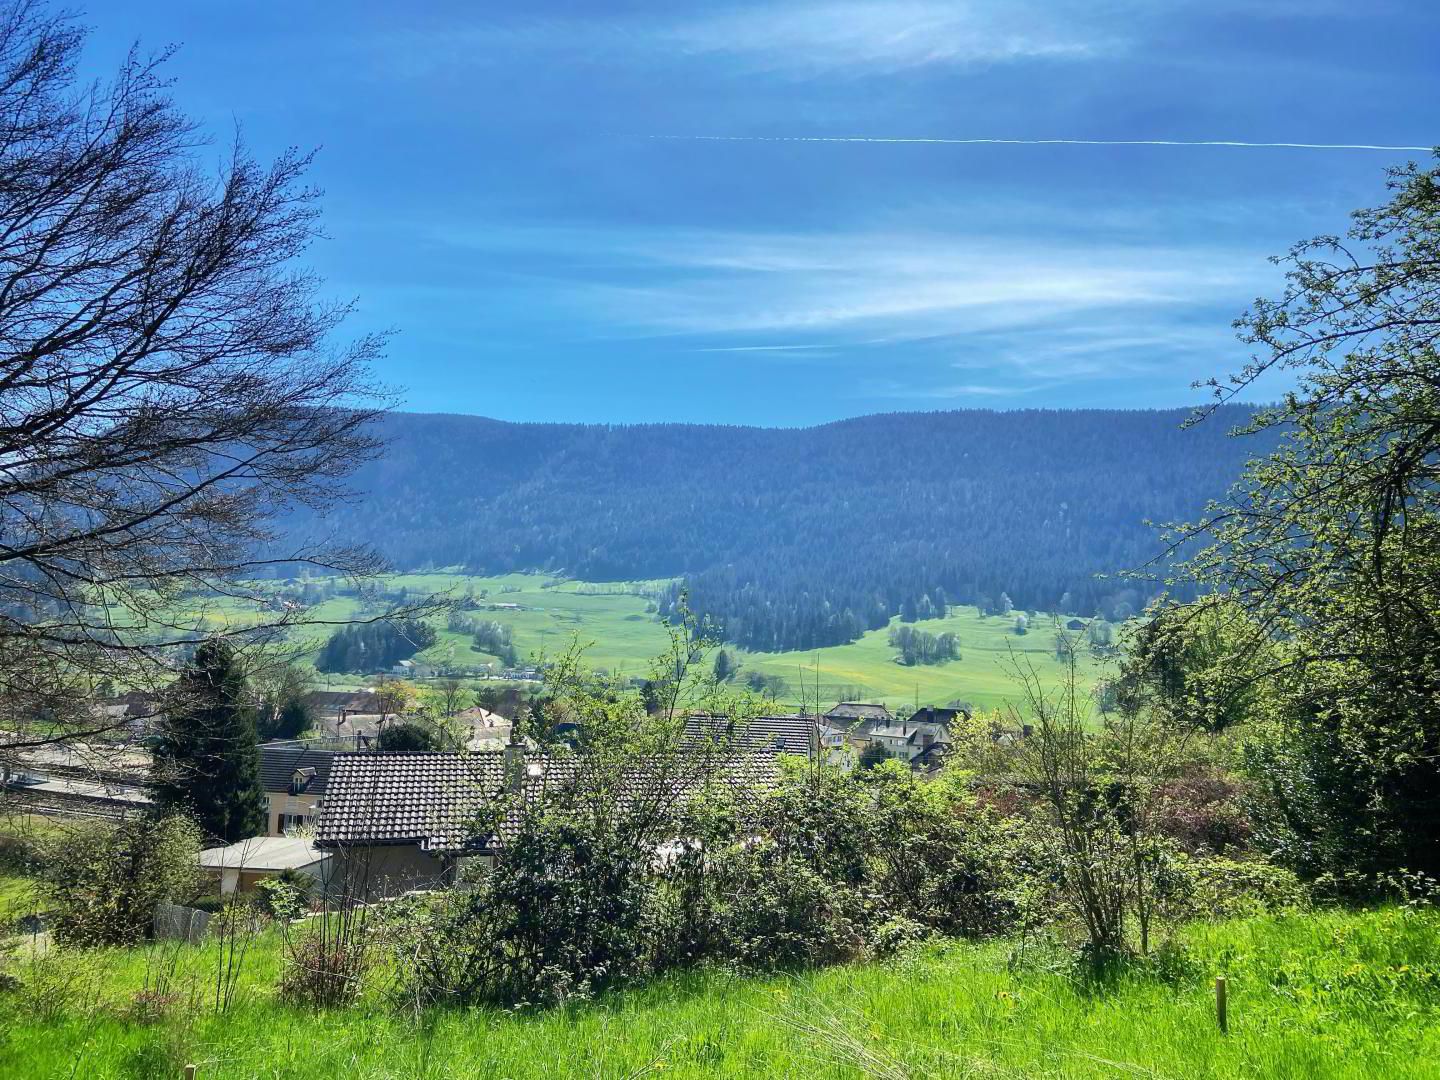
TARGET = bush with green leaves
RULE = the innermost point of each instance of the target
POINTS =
(286, 896)
(1224, 888)
(102, 882)
(771, 906)
(566, 912)
(825, 866)
(415, 735)
(937, 854)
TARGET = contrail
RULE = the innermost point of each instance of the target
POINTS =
(1043, 142)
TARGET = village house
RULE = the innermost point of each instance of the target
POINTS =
(294, 774)
(902, 739)
(481, 729)
(335, 704)
(397, 822)
(847, 714)
(921, 740)
(134, 714)
(954, 713)
(239, 867)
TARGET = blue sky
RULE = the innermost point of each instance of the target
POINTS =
(514, 187)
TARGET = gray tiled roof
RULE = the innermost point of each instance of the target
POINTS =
(434, 800)
(789, 734)
(904, 729)
(938, 714)
(858, 710)
(330, 701)
(278, 762)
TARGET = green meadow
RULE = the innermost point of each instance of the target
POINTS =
(991, 653)
(1327, 995)
(611, 620)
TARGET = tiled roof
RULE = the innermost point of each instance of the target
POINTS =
(401, 797)
(791, 734)
(278, 762)
(434, 800)
(903, 729)
(857, 710)
(335, 700)
(938, 714)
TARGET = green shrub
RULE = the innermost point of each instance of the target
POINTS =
(566, 912)
(772, 908)
(286, 896)
(895, 936)
(1221, 888)
(103, 882)
(936, 855)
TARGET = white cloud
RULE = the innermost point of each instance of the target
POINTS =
(977, 314)
(888, 287)
(789, 37)
(889, 35)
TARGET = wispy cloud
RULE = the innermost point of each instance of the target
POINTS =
(786, 37)
(1232, 143)
(909, 313)
(760, 348)
(860, 287)
(891, 35)
(776, 355)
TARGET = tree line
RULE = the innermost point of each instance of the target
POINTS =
(489, 636)
(374, 646)
(922, 647)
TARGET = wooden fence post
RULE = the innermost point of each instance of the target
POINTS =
(1221, 1005)
(189, 1072)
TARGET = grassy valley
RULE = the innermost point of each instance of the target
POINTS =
(544, 845)
(616, 621)
(984, 675)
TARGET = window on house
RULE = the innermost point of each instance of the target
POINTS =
(292, 821)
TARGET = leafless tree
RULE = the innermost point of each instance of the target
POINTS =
(169, 383)
(452, 697)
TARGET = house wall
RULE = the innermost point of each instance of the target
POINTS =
(233, 879)
(386, 870)
(902, 749)
(284, 803)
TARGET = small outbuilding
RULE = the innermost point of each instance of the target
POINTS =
(241, 866)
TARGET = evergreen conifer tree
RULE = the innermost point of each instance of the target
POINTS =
(724, 666)
(206, 763)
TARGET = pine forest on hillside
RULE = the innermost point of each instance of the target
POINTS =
(802, 538)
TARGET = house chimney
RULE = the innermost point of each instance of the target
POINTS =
(514, 760)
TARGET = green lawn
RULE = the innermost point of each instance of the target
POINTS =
(17, 891)
(1314, 996)
(17, 896)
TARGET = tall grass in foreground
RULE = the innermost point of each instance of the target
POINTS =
(1316, 995)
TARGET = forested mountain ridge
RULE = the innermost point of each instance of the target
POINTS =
(793, 538)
